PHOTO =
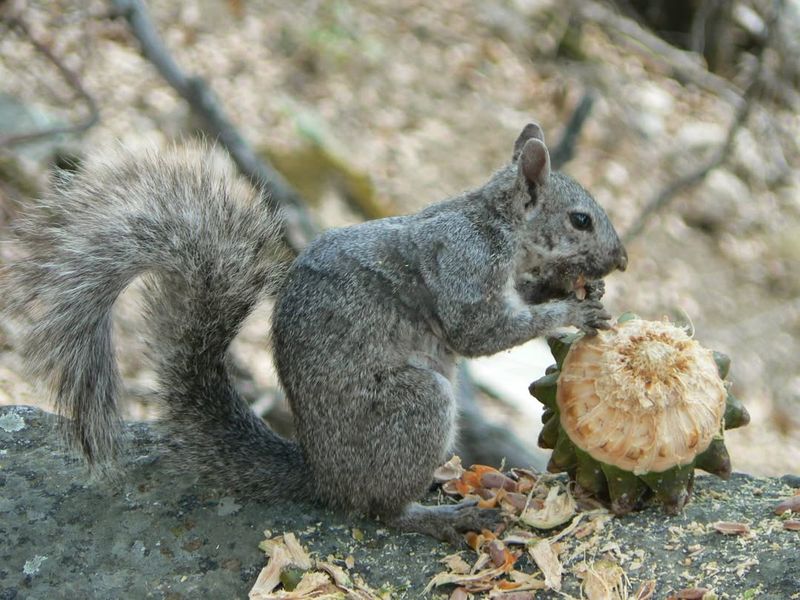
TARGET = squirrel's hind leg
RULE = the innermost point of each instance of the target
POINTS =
(419, 409)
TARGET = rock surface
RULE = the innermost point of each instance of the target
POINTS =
(155, 535)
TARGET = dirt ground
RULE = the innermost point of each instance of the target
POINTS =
(427, 99)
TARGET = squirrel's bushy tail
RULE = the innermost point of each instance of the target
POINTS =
(209, 249)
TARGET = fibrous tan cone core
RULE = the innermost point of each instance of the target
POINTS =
(642, 396)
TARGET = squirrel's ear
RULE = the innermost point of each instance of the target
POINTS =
(534, 162)
(531, 131)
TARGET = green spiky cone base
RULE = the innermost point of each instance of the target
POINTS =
(623, 490)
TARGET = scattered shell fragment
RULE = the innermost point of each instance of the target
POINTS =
(559, 507)
(291, 574)
(270, 576)
(790, 504)
(459, 594)
(452, 469)
(456, 563)
(604, 580)
(792, 525)
(695, 593)
(547, 560)
(731, 528)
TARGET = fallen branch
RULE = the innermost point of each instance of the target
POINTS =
(686, 66)
(278, 193)
(14, 22)
(564, 150)
(668, 193)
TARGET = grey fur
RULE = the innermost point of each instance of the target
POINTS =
(368, 325)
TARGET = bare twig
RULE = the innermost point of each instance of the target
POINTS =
(298, 226)
(564, 150)
(72, 79)
(697, 32)
(668, 193)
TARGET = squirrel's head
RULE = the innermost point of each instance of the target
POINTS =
(568, 237)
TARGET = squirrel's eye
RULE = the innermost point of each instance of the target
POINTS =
(580, 221)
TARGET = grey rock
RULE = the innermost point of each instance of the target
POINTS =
(152, 534)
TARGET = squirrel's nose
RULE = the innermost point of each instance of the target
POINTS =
(622, 262)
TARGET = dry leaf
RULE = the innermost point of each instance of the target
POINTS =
(604, 580)
(355, 590)
(456, 564)
(313, 585)
(595, 523)
(320, 580)
(270, 576)
(339, 575)
(731, 528)
(526, 581)
(299, 556)
(476, 581)
(312, 582)
(483, 560)
(547, 560)
(494, 561)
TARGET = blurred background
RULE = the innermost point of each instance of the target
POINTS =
(379, 107)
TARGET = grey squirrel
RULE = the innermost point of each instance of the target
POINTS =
(368, 324)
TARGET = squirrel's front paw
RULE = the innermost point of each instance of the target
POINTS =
(589, 316)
